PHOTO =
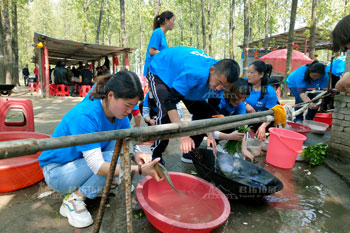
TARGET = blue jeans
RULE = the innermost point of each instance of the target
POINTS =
(66, 178)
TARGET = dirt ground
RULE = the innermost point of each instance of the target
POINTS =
(24, 211)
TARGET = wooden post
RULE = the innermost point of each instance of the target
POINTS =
(47, 72)
(113, 62)
(305, 49)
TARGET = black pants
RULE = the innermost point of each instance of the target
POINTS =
(26, 81)
(199, 110)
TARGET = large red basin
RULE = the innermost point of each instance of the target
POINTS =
(203, 208)
(22, 171)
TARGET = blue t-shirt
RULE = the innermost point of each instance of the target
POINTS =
(186, 70)
(296, 80)
(270, 99)
(158, 42)
(233, 110)
(86, 117)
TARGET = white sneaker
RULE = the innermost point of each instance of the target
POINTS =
(73, 207)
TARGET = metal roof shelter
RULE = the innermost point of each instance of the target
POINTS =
(301, 38)
(70, 52)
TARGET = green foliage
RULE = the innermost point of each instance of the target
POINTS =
(232, 146)
(316, 154)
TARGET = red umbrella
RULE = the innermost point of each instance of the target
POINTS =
(278, 60)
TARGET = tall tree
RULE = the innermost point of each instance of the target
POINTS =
(246, 37)
(99, 23)
(86, 6)
(232, 27)
(191, 23)
(141, 41)
(313, 29)
(157, 5)
(203, 27)
(15, 42)
(266, 44)
(293, 15)
(2, 70)
(123, 26)
(8, 52)
(209, 26)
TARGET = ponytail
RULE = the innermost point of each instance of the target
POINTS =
(160, 19)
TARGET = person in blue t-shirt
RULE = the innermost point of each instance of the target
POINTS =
(149, 109)
(161, 25)
(190, 75)
(307, 77)
(232, 103)
(262, 95)
(80, 171)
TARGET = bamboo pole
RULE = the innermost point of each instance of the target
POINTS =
(127, 146)
(16, 148)
(108, 184)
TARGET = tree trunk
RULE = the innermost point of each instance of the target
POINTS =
(210, 30)
(246, 37)
(313, 29)
(191, 23)
(99, 23)
(8, 52)
(293, 15)
(232, 29)
(157, 5)
(141, 41)
(85, 20)
(15, 43)
(181, 29)
(2, 70)
(197, 27)
(266, 44)
(123, 26)
(203, 28)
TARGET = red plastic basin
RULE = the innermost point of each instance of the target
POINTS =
(299, 128)
(203, 208)
(324, 118)
(22, 171)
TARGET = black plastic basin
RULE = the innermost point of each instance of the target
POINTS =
(237, 178)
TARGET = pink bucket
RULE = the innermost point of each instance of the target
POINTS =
(284, 147)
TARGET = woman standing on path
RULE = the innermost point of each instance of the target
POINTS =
(161, 24)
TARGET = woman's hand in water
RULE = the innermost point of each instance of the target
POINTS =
(142, 158)
(261, 133)
(246, 154)
(148, 169)
(249, 108)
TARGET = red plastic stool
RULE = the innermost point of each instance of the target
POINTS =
(38, 87)
(52, 89)
(25, 106)
(32, 86)
(84, 90)
(62, 90)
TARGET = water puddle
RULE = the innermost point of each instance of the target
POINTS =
(311, 201)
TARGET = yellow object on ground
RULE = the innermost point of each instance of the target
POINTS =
(280, 115)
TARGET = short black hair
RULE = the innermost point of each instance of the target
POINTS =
(229, 68)
(341, 34)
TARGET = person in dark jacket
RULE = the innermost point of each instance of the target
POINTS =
(25, 73)
(60, 74)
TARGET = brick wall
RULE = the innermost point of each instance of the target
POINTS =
(339, 143)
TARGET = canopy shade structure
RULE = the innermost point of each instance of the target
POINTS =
(71, 52)
(301, 38)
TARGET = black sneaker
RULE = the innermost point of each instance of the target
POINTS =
(186, 158)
